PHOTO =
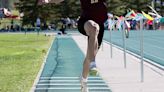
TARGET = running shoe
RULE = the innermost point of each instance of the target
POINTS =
(84, 87)
(93, 69)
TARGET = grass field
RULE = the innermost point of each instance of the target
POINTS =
(20, 59)
(7, 22)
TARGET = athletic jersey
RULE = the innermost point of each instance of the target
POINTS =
(95, 10)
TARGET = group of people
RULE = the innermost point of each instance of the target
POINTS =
(66, 23)
(135, 24)
(63, 24)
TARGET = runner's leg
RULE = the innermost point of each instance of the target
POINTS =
(92, 30)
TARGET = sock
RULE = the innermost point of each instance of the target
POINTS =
(93, 60)
(92, 63)
(84, 79)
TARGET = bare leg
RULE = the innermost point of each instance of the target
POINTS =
(92, 30)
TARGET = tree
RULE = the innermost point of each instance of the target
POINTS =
(120, 7)
(71, 8)
(159, 7)
(116, 7)
(30, 10)
(137, 5)
(47, 12)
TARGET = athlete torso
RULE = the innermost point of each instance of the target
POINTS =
(95, 10)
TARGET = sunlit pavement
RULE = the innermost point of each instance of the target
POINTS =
(111, 69)
(121, 79)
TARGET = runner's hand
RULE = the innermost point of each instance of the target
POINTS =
(41, 2)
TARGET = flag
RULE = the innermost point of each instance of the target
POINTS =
(139, 16)
(147, 16)
(130, 15)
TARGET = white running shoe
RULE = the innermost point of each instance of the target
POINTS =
(84, 87)
(93, 69)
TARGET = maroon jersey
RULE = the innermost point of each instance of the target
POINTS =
(95, 10)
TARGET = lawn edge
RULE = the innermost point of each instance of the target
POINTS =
(41, 68)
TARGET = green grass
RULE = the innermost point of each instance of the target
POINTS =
(20, 59)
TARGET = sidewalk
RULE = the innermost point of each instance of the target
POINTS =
(121, 79)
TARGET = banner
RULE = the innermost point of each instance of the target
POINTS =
(147, 16)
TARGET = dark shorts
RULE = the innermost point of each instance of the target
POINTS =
(81, 23)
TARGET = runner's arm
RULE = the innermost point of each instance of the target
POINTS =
(55, 1)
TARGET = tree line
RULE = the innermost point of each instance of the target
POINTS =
(71, 8)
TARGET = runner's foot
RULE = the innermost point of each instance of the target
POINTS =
(84, 87)
(93, 69)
